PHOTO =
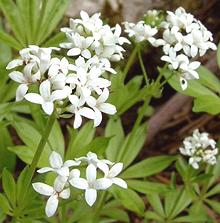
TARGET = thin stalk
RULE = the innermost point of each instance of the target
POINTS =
(130, 62)
(36, 157)
(142, 66)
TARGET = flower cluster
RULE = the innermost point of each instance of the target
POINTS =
(75, 86)
(185, 38)
(66, 178)
(200, 148)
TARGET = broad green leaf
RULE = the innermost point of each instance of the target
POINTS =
(9, 40)
(213, 191)
(6, 57)
(215, 205)
(12, 14)
(155, 202)
(147, 187)
(114, 129)
(4, 204)
(129, 199)
(154, 216)
(194, 89)
(20, 184)
(208, 79)
(218, 55)
(7, 158)
(79, 139)
(26, 154)
(176, 201)
(190, 219)
(148, 167)
(98, 146)
(209, 104)
(52, 14)
(55, 40)
(9, 186)
(116, 214)
(132, 145)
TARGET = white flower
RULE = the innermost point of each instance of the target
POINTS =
(99, 105)
(91, 184)
(79, 111)
(140, 31)
(113, 172)
(46, 98)
(58, 166)
(54, 193)
(92, 158)
(200, 148)
(80, 45)
(25, 78)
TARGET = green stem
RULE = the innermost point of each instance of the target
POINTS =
(41, 146)
(142, 66)
(36, 157)
(130, 62)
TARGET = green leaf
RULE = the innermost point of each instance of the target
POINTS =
(154, 216)
(9, 40)
(7, 158)
(132, 145)
(79, 139)
(9, 186)
(12, 14)
(4, 204)
(155, 202)
(53, 13)
(218, 55)
(147, 187)
(190, 219)
(205, 104)
(176, 201)
(194, 89)
(208, 79)
(116, 214)
(20, 184)
(55, 40)
(98, 146)
(129, 199)
(115, 130)
(215, 205)
(148, 167)
(213, 191)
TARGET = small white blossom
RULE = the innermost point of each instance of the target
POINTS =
(91, 184)
(54, 193)
(46, 98)
(200, 148)
(141, 31)
(58, 166)
(112, 174)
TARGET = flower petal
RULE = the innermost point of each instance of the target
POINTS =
(120, 182)
(51, 206)
(102, 184)
(21, 92)
(115, 170)
(90, 196)
(79, 183)
(65, 194)
(56, 160)
(14, 63)
(43, 189)
(91, 173)
(45, 170)
(34, 98)
(48, 107)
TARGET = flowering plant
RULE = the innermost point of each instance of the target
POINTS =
(94, 171)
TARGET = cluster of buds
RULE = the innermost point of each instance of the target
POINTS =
(65, 178)
(200, 148)
(184, 38)
(73, 85)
